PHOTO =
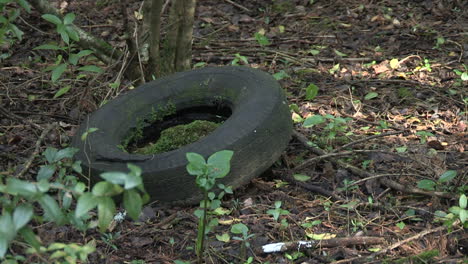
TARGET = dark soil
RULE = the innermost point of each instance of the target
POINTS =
(343, 47)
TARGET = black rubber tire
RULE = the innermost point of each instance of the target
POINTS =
(258, 129)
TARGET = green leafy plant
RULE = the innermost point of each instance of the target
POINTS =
(68, 56)
(262, 39)
(277, 211)
(424, 135)
(239, 58)
(56, 188)
(294, 256)
(441, 183)
(243, 230)
(455, 212)
(207, 172)
(463, 75)
(311, 91)
(280, 75)
(9, 32)
(334, 127)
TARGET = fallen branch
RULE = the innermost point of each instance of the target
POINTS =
(313, 244)
(364, 174)
(367, 139)
(28, 163)
(311, 187)
(238, 5)
(365, 259)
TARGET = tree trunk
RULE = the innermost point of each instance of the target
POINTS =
(179, 40)
(154, 28)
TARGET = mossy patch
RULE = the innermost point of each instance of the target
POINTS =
(155, 115)
(178, 136)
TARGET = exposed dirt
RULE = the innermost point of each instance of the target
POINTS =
(347, 49)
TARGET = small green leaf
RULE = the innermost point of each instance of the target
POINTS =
(52, 211)
(401, 225)
(262, 39)
(463, 215)
(71, 32)
(22, 215)
(50, 154)
(45, 172)
(311, 91)
(314, 52)
(394, 64)
(313, 120)
(3, 246)
(58, 71)
(132, 203)
(280, 75)
(91, 68)
(62, 30)
(30, 238)
(374, 249)
(462, 201)
(62, 91)
(19, 187)
(464, 76)
(334, 69)
(115, 177)
(341, 54)
(7, 227)
(301, 177)
(106, 211)
(52, 19)
(24, 4)
(69, 18)
(447, 176)
(401, 149)
(18, 33)
(223, 238)
(108, 189)
(426, 185)
(85, 203)
(89, 131)
(239, 228)
(219, 163)
(371, 95)
(65, 153)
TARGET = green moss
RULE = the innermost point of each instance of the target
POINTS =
(155, 115)
(404, 92)
(178, 136)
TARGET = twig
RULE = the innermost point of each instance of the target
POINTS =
(15, 117)
(28, 163)
(408, 189)
(238, 5)
(338, 154)
(334, 242)
(367, 139)
(364, 174)
(312, 188)
(409, 239)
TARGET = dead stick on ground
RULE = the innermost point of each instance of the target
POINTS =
(367, 139)
(238, 5)
(364, 174)
(28, 163)
(334, 242)
(364, 259)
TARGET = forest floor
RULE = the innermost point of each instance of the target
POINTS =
(389, 79)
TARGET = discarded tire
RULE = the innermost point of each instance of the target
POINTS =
(257, 127)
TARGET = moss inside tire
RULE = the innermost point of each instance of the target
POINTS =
(258, 129)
